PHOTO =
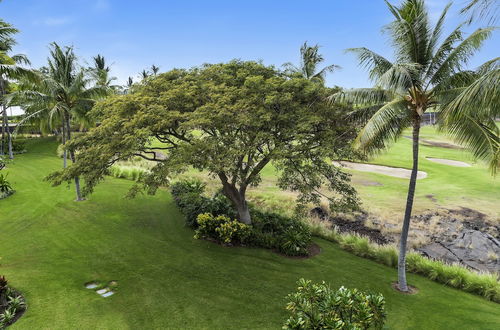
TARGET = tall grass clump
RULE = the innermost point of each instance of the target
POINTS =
(454, 275)
(127, 172)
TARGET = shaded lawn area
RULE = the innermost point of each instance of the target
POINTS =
(50, 246)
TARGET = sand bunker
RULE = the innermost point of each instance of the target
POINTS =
(448, 162)
(396, 172)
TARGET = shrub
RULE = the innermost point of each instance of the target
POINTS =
(317, 306)
(5, 187)
(287, 235)
(19, 146)
(222, 229)
(16, 303)
(7, 317)
(188, 196)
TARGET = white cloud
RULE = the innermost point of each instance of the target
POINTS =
(55, 21)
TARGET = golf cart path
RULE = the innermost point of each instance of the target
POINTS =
(448, 162)
(396, 172)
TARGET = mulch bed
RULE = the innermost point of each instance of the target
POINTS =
(312, 250)
(411, 289)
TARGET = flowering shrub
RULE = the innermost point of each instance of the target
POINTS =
(222, 229)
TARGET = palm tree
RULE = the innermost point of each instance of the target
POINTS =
(63, 93)
(426, 74)
(310, 58)
(482, 9)
(100, 72)
(10, 69)
(155, 69)
(144, 74)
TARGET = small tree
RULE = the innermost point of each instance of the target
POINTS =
(231, 120)
(317, 306)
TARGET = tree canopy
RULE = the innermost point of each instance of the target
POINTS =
(228, 119)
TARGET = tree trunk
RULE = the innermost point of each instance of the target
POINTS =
(73, 158)
(6, 132)
(244, 213)
(65, 152)
(237, 198)
(4, 115)
(9, 135)
(402, 284)
(2, 145)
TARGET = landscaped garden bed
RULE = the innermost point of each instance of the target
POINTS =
(12, 304)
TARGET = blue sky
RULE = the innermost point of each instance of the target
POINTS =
(135, 34)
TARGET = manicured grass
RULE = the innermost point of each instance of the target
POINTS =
(50, 246)
(449, 186)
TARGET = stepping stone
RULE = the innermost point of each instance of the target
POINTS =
(102, 291)
(107, 294)
(91, 285)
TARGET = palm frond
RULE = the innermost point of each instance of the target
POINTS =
(376, 64)
(362, 96)
(438, 30)
(482, 10)
(384, 127)
(460, 55)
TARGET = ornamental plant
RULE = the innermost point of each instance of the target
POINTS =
(222, 229)
(318, 306)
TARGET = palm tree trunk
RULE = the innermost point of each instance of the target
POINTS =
(73, 158)
(9, 135)
(402, 284)
(6, 133)
(4, 125)
(65, 152)
(3, 136)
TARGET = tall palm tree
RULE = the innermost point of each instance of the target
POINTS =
(10, 69)
(66, 93)
(144, 74)
(310, 58)
(427, 74)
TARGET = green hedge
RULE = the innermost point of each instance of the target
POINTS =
(289, 236)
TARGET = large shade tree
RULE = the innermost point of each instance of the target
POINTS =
(310, 59)
(64, 95)
(231, 120)
(427, 74)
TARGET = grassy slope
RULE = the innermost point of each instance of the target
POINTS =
(51, 245)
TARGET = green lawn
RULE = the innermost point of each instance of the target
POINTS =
(451, 187)
(50, 246)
